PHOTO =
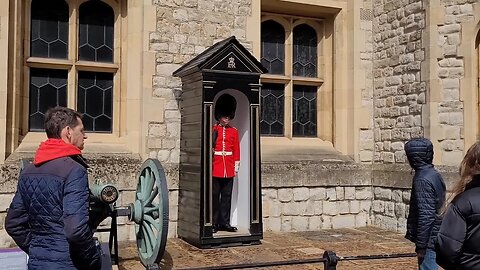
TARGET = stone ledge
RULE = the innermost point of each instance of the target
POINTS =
(318, 173)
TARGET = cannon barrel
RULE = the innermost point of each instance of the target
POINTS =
(106, 193)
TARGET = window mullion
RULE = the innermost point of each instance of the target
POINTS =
(72, 55)
(289, 86)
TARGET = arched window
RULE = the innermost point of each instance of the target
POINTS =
(49, 29)
(64, 74)
(273, 47)
(304, 51)
(297, 115)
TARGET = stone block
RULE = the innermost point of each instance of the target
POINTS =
(354, 207)
(318, 206)
(340, 191)
(400, 210)
(294, 208)
(402, 225)
(383, 193)
(272, 224)
(318, 194)
(329, 208)
(397, 195)
(383, 222)
(5, 240)
(378, 207)
(314, 223)
(269, 194)
(331, 194)
(286, 224)
(349, 193)
(309, 209)
(326, 222)
(5, 200)
(366, 206)
(343, 207)
(363, 193)
(452, 158)
(300, 194)
(361, 220)
(300, 224)
(406, 196)
(172, 230)
(285, 194)
(343, 221)
(390, 209)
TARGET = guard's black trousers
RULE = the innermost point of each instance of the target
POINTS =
(222, 200)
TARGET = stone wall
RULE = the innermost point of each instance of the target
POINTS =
(315, 208)
(399, 90)
(366, 141)
(451, 70)
(184, 30)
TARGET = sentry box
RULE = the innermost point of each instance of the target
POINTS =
(224, 68)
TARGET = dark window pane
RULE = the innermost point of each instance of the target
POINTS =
(304, 51)
(96, 32)
(272, 109)
(304, 111)
(95, 100)
(49, 29)
(48, 88)
(273, 47)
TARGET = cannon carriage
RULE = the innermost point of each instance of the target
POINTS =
(149, 212)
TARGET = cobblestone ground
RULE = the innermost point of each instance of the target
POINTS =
(288, 246)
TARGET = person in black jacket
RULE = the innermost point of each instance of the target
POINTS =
(426, 200)
(48, 217)
(458, 242)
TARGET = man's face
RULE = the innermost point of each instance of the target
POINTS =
(224, 120)
(76, 135)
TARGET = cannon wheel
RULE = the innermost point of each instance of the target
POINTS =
(150, 212)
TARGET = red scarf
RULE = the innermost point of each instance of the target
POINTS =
(54, 148)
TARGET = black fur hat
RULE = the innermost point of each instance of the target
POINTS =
(225, 106)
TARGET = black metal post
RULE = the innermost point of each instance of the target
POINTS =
(331, 260)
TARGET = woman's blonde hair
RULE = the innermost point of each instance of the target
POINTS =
(469, 167)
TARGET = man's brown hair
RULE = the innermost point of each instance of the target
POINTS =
(57, 118)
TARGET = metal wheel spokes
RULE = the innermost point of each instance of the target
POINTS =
(150, 212)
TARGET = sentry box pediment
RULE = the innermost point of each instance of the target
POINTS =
(224, 68)
(225, 56)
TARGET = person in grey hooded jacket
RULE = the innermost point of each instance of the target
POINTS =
(426, 201)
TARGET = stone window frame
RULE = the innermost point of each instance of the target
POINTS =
(73, 65)
(324, 91)
(137, 68)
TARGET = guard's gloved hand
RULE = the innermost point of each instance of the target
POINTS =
(237, 167)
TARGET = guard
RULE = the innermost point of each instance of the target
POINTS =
(226, 162)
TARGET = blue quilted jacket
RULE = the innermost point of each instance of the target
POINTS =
(48, 217)
(427, 195)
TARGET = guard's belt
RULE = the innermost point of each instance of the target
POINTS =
(223, 153)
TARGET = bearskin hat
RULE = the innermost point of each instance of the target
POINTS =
(225, 106)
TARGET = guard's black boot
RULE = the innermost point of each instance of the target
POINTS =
(214, 229)
(229, 228)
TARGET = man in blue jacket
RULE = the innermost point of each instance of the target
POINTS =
(426, 200)
(48, 217)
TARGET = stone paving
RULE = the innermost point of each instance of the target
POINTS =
(288, 246)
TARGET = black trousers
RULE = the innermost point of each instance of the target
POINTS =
(222, 200)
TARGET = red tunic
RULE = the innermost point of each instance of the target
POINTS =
(226, 151)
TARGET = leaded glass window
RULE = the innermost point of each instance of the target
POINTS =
(304, 51)
(84, 79)
(273, 47)
(95, 100)
(304, 111)
(96, 32)
(48, 88)
(49, 29)
(272, 109)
